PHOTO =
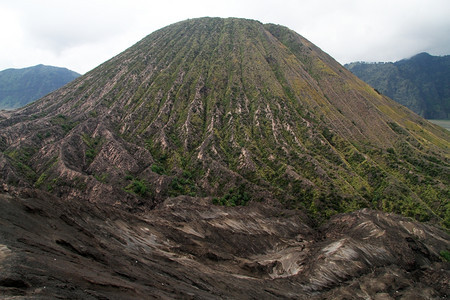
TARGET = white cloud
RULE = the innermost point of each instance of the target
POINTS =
(82, 34)
(11, 35)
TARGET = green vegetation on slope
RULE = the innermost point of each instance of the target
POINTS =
(207, 106)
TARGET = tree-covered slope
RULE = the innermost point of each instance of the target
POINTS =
(19, 87)
(234, 110)
(421, 83)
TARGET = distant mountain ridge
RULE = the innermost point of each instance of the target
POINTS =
(18, 87)
(421, 83)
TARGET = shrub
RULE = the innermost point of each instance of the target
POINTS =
(445, 255)
(183, 185)
(158, 169)
(234, 197)
(138, 187)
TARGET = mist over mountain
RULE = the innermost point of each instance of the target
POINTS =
(421, 83)
(19, 87)
(222, 158)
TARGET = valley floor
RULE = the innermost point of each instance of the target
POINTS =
(442, 123)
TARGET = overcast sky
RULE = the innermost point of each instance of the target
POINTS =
(82, 34)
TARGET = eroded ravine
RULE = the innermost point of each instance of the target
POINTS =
(188, 247)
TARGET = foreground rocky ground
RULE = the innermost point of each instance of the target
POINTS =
(189, 248)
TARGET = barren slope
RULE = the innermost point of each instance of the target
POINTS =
(190, 249)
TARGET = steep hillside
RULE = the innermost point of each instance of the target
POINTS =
(232, 109)
(222, 159)
(19, 87)
(421, 83)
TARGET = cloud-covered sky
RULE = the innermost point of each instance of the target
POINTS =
(82, 34)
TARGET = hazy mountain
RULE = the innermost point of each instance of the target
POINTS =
(421, 83)
(206, 161)
(19, 87)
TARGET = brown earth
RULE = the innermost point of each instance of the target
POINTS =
(187, 248)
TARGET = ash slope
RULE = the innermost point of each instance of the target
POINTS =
(214, 107)
(190, 249)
